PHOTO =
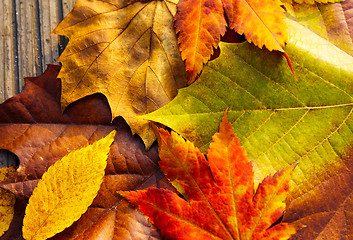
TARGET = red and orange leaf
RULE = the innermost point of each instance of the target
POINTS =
(261, 21)
(221, 203)
(200, 24)
(175, 217)
(269, 197)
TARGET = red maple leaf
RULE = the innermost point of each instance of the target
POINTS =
(221, 203)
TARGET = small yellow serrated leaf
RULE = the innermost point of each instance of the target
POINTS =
(66, 190)
(7, 202)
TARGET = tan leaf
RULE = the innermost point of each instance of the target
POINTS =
(126, 50)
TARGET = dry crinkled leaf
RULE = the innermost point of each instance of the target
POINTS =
(221, 203)
(326, 210)
(7, 201)
(126, 50)
(39, 93)
(66, 190)
(45, 136)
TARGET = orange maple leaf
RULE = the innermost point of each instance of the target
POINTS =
(201, 23)
(221, 203)
(261, 21)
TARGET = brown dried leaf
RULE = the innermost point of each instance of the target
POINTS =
(38, 145)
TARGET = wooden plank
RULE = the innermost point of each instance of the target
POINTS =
(7, 56)
(49, 20)
(68, 5)
(26, 45)
(8, 65)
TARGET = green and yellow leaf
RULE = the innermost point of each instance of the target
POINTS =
(329, 21)
(281, 121)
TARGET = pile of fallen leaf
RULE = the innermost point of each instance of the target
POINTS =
(85, 132)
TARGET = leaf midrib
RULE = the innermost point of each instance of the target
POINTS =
(259, 110)
(203, 195)
(180, 218)
(274, 194)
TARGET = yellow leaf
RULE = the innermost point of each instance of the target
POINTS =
(66, 190)
(128, 51)
(7, 202)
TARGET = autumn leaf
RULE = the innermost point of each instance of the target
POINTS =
(260, 21)
(200, 25)
(126, 50)
(7, 202)
(281, 121)
(312, 2)
(221, 203)
(326, 209)
(329, 21)
(66, 190)
(41, 137)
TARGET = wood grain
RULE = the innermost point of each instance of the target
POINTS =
(26, 46)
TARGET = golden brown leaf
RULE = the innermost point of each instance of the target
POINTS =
(126, 50)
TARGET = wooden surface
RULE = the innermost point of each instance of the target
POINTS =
(26, 46)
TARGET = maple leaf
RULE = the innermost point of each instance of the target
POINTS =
(34, 129)
(282, 122)
(221, 203)
(126, 50)
(66, 190)
(201, 23)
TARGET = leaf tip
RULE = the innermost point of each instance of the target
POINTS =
(110, 137)
(226, 127)
(290, 65)
(162, 134)
(225, 122)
